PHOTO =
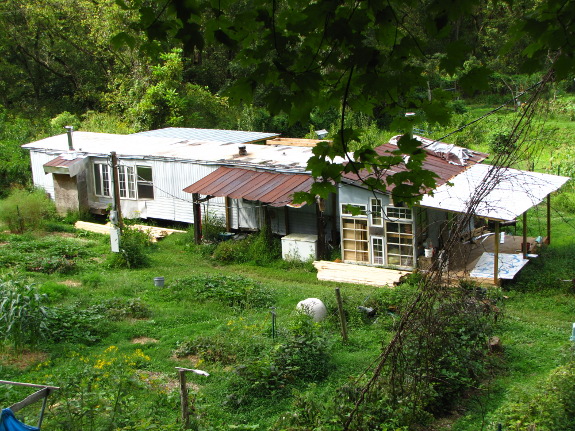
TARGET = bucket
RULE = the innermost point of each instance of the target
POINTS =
(428, 252)
(159, 281)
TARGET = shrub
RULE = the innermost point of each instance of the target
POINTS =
(76, 324)
(212, 226)
(551, 408)
(233, 251)
(119, 309)
(133, 246)
(25, 210)
(235, 291)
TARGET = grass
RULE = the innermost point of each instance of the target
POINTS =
(180, 315)
(534, 330)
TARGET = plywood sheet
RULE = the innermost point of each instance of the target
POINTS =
(154, 232)
(357, 274)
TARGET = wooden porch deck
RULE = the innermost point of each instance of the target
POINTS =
(462, 260)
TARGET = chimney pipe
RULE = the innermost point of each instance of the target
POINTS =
(243, 151)
(410, 116)
(69, 130)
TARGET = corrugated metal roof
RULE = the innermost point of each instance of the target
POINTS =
(228, 136)
(63, 161)
(272, 188)
(434, 162)
(276, 157)
(67, 163)
(514, 192)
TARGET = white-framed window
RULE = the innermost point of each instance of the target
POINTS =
(127, 182)
(376, 212)
(377, 250)
(399, 236)
(145, 182)
(399, 213)
(102, 180)
(135, 182)
(351, 209)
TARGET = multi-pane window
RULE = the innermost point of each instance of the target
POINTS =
(127, 182)
(134, 182)
(354, 236)
(376, 212)
(102, 179)
(378, 257)
(355, 233)
(399, 237)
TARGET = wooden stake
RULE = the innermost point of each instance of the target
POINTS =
(524, 235)
(496, 255)
(184, 398)
(341, 315)
(197, 218)
(116, 179)
(549, 219)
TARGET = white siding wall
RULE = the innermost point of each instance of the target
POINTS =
(41, 179)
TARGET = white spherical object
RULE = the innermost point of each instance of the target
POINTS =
(314, 308)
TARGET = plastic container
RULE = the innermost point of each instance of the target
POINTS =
(159, 281)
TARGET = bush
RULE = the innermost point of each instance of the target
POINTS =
(212, 226)
(76, 324)
(133, 246)
(26, 210)
(234, 291)
(119, 309)
(551, 408)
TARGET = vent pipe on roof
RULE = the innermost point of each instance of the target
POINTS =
(243, 151)
(410, 116)
(69, 130)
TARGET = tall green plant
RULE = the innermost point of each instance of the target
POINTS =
(23, 313)
(25, 210)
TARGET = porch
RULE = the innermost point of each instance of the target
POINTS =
(475, 260)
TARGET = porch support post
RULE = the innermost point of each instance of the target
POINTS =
(286, 219)
(549, 219)
(197, 218)
(334, 219)
(320, 230)
(496, 256)
(228, 203)
(524, 248)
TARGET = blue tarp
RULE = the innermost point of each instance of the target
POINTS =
(8, 422)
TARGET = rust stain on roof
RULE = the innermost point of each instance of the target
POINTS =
(276, 189)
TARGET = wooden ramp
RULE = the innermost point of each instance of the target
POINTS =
(357, 274)
(155, 233)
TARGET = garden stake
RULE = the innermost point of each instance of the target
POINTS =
(273, 311)
(184, 393)
(341, 315)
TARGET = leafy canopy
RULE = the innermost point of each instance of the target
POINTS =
(357, 56)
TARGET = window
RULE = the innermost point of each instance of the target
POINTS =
(103, 183)
(376, 212)
(399, 237)
(134, 182)
(354, 210)
(354, 236)
(127, 182)
(145, 182)
(377, 250)
(397, 213)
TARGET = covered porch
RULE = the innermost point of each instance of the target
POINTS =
(501, 196)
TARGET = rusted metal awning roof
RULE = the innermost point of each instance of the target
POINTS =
(67, 163)
(269, 187)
